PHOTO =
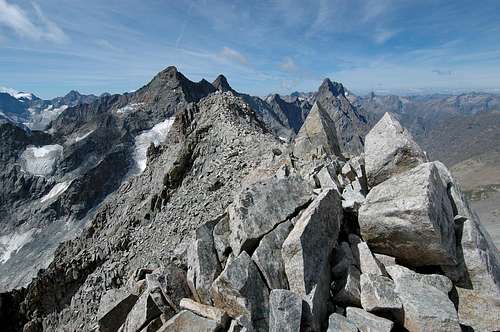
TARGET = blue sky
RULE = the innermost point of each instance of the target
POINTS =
(52, 46)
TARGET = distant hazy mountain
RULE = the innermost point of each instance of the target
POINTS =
(26, 109)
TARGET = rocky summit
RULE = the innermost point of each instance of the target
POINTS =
(199, 208)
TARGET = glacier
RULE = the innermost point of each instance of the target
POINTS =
(155, 135)
(41, 160)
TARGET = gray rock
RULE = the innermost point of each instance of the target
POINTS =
(438, 281)
(268, 256)
(385, 260)
(368, 263)
(257, 209)
(143, 312)
(367, 322)
(390, 149)
(186, 321)
(347, 290)
(425, 308)
(240, 324)
(221, 238)
(342, 259)
(478, 258)
(378, 295)
(410, 217)
(338, 323)
(358, 165)
(203, 263)
(240, 291)
(113, 309)
(326, 179)
(479, 311)
(307, 249)
(285, 311)
(154, 325)
(212, 313)
(317, 136)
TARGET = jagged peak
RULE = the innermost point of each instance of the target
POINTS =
(335, 88)
(275, 97)
(222, 84)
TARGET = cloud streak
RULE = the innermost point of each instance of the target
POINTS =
(232, 55)
(41, 28)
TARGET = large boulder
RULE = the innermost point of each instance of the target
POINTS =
(478, 258)
(478, 311)
(410, 217)
(213, 313)
(203, 263)
(338, 323)
(367, 322)
(163, 290)
(186, 321)
(367, 262)
(113, 309)
(390, 149)
(285, 311)
(268, 256)
(307, 251)
(258, 208)
(438, 281)
(240, 291)
(317, 136)
(378, 295)
(425, 308)
(143, 312)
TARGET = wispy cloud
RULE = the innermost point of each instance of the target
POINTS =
(441, 72)
(107, 45)
(288, 65)
(232, 55)
(382, 35)
(40, 28)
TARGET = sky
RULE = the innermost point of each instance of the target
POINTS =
(422, 46)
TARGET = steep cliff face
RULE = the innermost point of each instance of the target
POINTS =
(52, 181)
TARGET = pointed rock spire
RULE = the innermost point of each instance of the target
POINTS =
(221, 84)
(390, 149)
(337, 89)
(317, 135)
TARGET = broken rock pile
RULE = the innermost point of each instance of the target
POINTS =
(383, 241)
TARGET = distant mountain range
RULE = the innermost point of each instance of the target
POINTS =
(27, 109)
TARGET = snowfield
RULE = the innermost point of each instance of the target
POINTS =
(129, 108)
(57, 190)
(12, 243)
(155, 135)
(41, 160)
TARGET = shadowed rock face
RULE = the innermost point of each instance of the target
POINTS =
(351, 124)
(227, 214)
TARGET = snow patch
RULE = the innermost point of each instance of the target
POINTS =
(129, 108)
(16, 94)
(56, 190)
(84, 136)
(12, 243)
(155, 135)
(41, 120)
(41, 160)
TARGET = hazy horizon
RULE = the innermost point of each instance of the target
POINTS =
(281, 46)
